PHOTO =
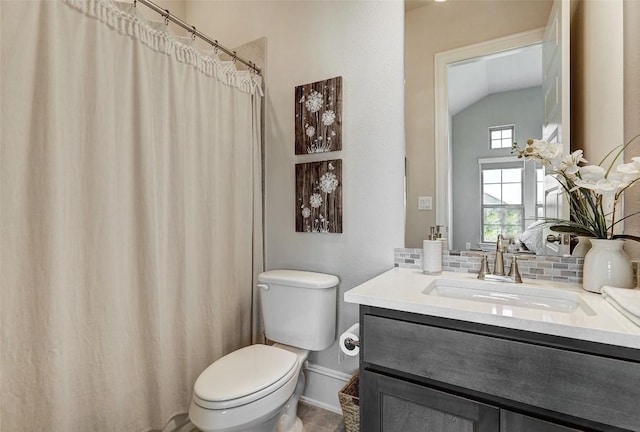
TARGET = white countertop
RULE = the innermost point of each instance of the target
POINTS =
(403, 289)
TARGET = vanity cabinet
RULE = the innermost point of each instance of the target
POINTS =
(423, 373)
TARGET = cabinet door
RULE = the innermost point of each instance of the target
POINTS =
(514, 422)
(393, 405)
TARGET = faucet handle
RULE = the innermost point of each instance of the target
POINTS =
(513, 271)
(484, 267)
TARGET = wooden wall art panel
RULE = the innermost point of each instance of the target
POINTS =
(318, 108)
(319, 197)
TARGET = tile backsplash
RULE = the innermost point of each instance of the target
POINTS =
(559, 269)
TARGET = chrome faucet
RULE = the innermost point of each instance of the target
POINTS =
(498, 268)
(513, 270)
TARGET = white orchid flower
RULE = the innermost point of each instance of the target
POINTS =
(591, 173)
(628, 168)
(592, 177)
(627, 173)
(569, 163)
(551, 151)
(605, 186)
(624, 178)
(550, 154)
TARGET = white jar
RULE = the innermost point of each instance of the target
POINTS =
(606, 263)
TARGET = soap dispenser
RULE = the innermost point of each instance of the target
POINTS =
(432, 254)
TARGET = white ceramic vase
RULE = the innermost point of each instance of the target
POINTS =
(583, 246)
(606, 263)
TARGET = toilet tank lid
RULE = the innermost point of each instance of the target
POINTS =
(297, 278)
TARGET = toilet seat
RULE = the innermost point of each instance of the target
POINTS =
(244, 376)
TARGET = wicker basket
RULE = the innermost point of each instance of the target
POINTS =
(350, 403)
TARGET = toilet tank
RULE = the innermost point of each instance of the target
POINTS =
(299, 308)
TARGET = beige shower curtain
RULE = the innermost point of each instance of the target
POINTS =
(130, 216)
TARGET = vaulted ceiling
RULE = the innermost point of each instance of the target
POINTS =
(472, 80)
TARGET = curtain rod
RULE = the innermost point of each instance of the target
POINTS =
(168, 16)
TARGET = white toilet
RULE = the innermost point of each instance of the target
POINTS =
(257, 388)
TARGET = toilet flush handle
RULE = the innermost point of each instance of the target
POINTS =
(264, 287)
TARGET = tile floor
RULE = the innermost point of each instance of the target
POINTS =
(313, 418)
(316, 419)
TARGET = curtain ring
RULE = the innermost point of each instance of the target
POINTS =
(215, 47)
(193, 33)
(235, 57)
(166, 16)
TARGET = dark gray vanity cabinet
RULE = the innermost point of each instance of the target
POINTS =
(423, 373)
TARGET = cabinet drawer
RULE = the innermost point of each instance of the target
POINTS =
(586, 386)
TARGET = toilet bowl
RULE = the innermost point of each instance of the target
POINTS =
(248, 390)
(257, 388)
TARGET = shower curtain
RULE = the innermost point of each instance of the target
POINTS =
(130, 216)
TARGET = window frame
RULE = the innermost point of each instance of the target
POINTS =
(540, 188)
(501, 164)
(501, 128)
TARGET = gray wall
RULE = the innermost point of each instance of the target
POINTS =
(308, 41)
(522, 108)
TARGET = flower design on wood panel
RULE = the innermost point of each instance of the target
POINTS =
(319, 116)
(319, 197)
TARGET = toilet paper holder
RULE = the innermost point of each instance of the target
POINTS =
(350, 344)
(350, 341)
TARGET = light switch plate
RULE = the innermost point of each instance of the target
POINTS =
(425, 203)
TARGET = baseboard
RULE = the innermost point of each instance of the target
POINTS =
(323, 385)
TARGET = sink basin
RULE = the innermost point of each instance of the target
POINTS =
(508, 294)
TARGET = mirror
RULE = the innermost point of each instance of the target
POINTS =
(603, 86)
(492, 95)
(456, 172)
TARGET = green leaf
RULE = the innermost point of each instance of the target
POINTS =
(622, 148)
(626, 237)
(572, 230)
